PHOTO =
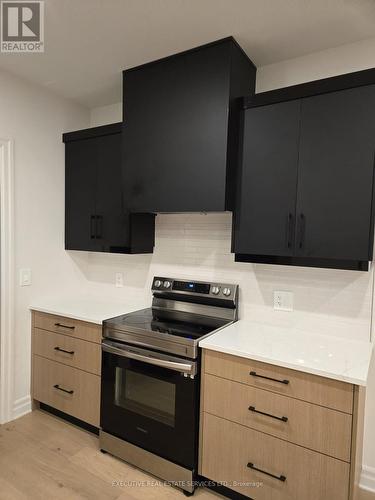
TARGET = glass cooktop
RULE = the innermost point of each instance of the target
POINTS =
(180, 324)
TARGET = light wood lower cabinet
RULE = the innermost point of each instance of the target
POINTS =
(304, 386)
(66, 366)
(296, 440)
(68, 351)
(69, 390)
(67, 326)
(315, 427)
(297, 473)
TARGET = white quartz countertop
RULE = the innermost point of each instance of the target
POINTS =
(328, 356)
(91, 309)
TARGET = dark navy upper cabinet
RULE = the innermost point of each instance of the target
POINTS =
(335, 179)
(181, 144)
(97, 217)
(306, 181)
(80, 192)
(264, 220)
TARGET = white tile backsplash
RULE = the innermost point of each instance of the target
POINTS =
(333, 302)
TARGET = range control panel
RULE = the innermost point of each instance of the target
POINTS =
(219, 290)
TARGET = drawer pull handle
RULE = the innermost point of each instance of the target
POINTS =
(56, 386)
(302, 230)
(279, 478)
(253, 409)
(60, 325)
(289, 230)
(63, 350)
(254, 374)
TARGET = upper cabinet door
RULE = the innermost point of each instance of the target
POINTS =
(335, 182)
(178, 112)
(265, 214)
(97, 215)
(80, 187)
(112, 225)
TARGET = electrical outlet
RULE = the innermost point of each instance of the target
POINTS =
(25, 277)
(119, 280)
(283, 301)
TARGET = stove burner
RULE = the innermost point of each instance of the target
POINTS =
(167, 323)
(179, 317)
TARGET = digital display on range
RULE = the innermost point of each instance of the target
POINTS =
(191, 286)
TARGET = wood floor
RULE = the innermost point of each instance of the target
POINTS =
(44, 458)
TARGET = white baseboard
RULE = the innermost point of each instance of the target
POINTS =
(21, 406)
(367, 481)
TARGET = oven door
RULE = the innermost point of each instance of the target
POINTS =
(151, 400)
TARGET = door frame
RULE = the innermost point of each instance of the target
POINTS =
(6, 280)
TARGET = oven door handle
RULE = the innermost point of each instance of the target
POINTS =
(183, 367)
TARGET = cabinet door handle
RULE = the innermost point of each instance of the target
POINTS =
(99, 227)
(253, 409)
(56, 386)
(289, 230)
(60, 325)
(279, 478)
(92, 227)
(302, 227)
(254, 374)
(63, 350)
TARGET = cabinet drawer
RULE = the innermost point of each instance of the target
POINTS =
(67, 350)
(299, 385)
(67, 326)
(315, 427)
(82, 402)
(229, 449)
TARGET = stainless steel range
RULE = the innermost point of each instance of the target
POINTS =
(151, 376)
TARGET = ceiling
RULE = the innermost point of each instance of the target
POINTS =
(89, 42)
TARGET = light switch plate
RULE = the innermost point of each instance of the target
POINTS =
(25, 277)
(283, 301)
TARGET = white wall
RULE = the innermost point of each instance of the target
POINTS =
(104, 115)
(35, 119)
(335, 61)
(333, 302)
